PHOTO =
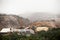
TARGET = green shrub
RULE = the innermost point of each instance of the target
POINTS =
(53, 34)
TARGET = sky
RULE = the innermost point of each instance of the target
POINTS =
(24, 7)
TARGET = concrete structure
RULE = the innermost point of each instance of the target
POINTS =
(41, 29)
(22, 31)
(5, 30)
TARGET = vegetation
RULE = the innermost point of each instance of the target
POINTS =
(53, 34)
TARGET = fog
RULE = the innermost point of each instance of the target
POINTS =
(26, 8)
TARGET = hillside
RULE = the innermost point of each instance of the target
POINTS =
(12, 21)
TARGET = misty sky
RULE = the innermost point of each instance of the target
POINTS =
(24, 6)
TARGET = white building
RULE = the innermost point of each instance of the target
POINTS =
(4, 30)
(7, 30)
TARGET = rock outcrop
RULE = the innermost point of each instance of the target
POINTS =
(12, 21)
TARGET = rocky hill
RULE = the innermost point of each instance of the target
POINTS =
(12, 21)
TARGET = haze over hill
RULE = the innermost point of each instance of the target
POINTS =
(25, 7)
(39, 16)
